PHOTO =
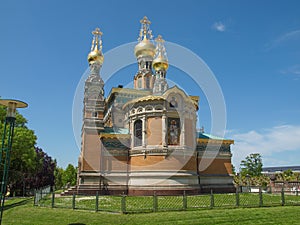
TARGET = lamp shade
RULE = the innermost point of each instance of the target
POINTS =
(12, 105)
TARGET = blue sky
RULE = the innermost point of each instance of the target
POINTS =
(252, 47)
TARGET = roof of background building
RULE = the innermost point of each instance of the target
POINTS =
(275, 169)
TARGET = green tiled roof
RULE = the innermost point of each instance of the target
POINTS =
(208, 136)
(115, 130)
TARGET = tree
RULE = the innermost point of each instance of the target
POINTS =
(233, 169)
(252, 165)
(45, 168)
(30, 166)
(22, 161)
(70, 175)
(58, 174)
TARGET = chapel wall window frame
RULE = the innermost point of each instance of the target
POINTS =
(137, 133)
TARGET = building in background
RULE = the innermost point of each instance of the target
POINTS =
(144, 140)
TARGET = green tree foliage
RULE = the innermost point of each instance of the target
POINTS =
(242, 180)
(67, 177)
(287, 175)
(45, 167)
(22, 161)
(70, 175)
(30, 167)
(252, 165)
(58, 174)
(250, 173)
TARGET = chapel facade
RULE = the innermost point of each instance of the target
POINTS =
(143, 140)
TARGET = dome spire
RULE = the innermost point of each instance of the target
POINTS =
(145, 48)
(96, 49)
(160, 61)
(160, 65)
(97, 42)
(144, 52)
(145, 32)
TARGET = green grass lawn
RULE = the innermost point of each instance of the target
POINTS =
(22, 211)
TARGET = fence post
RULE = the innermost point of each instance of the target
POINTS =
(123, 204)
(154, 202)
(212, 201)
(52, 199)
(184, 200)
(237, 197)
(34, 198)
(73, 201)
(282, 197)
(260, 197)
(97, 202)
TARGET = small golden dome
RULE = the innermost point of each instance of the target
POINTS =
(144, 48)
(160, 63)
(96, 50)
(95, 56)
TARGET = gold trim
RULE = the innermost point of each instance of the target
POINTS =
(114, 136)
(143, 99)
(214, 141)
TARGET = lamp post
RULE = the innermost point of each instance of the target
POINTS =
(7, 139)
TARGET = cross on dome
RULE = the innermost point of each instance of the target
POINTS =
(145, 32)
(97, 42)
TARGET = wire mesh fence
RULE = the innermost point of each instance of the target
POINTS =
(155, 203)
(165, 203)
(198, 201)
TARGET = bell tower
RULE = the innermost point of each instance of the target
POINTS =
(93, 112)
(144, 52)
(94, 87)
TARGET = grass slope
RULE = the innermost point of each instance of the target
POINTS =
(22, 211)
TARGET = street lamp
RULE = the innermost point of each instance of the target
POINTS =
(7, 139)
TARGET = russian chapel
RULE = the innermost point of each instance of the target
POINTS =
(144, 140)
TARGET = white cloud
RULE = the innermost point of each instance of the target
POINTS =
(293, 70)
(219, 26)
(268, 143)
(292, 35)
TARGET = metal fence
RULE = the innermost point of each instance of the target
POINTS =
(155, 203)
(41, 193)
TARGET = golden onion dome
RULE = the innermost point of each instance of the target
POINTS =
(96, 50)
(95, 56)
(160, 63)
(144, 48)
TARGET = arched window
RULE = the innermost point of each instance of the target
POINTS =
(147, 81)
(147, 65)
(139, 82)
(173, 103)
(138, 133)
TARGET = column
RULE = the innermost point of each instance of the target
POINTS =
(182, 135)
(144, 131)
(164, 131)
(131, 124)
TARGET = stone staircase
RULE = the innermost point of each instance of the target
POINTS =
(70, 191)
